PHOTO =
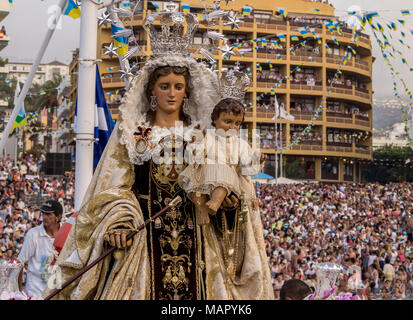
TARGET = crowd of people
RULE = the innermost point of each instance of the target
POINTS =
(365, 228)
(22, 190)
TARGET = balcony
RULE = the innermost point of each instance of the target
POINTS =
(194, 48)
(362, 121)
(306, 85)
(339, 147)
(308, 145)
(363, 93)
(248, 23)
(334, 59)
(270, 83)
(339, 117)
(271, 24)
(362, 149)
(265, 114)
(362, 65)
(304, 115)
(304, 56)
(4, 41)
(270, 53)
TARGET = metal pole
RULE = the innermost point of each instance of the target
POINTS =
(86, 100)
(30, 77)
(281, 144)
(276, 141)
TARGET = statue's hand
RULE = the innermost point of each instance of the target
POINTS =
(230, 202)
(117, 238)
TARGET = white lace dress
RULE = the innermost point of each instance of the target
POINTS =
(227, 157)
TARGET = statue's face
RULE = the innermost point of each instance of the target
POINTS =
(228, 120)
(170, 93)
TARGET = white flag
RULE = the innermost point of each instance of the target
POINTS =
(286, 115)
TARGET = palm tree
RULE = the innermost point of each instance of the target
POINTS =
(37, 101)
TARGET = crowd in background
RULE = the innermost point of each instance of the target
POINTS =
(22, 190)
(365, 228)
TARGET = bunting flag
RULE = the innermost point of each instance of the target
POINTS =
(406, 12)
(281, 37)
(157, 8)
(380, 27)
(336, 41)
(370, 16)
(317, 10)
(121, 42)
(21, 119)
(72, 10)
(303, 32)
(186, 7)
(11, 2)
(294, 38)
(246, 11)
(201, 16)
(126, 4)
(283, 12)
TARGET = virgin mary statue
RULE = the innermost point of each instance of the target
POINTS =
(173, 257)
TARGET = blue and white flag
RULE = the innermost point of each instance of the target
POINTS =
(103, 121)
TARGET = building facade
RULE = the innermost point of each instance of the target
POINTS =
(340, 142)
(45, 72)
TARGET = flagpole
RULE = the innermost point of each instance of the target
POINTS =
(30, 77)
(85, 120)
(281, 144)
(276, 139)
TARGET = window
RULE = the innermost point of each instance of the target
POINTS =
(333, 105)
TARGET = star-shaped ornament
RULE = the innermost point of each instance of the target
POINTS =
(126, 73)
(233, 20)
(227, 51)
(111, 50)
(104, 19)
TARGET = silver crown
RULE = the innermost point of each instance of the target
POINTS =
(173, 38)
(233, 84)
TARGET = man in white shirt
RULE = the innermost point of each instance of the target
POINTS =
(38, 250)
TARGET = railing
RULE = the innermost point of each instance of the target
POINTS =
(304, 115)
(270, 84)
(363, 149)
(270, 24)
(330, 58)
(339, 117)
(265, 53)
(329, 176)
(112, 80)
(267, 144)
(307, 147)
(347, 178)
(341, 89)
(305, 58)
(265, 115)
(364, 93)
(304, 86)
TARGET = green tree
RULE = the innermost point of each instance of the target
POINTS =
(37, 101)
(390, 164)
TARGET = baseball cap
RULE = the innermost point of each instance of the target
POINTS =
(52, 206)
